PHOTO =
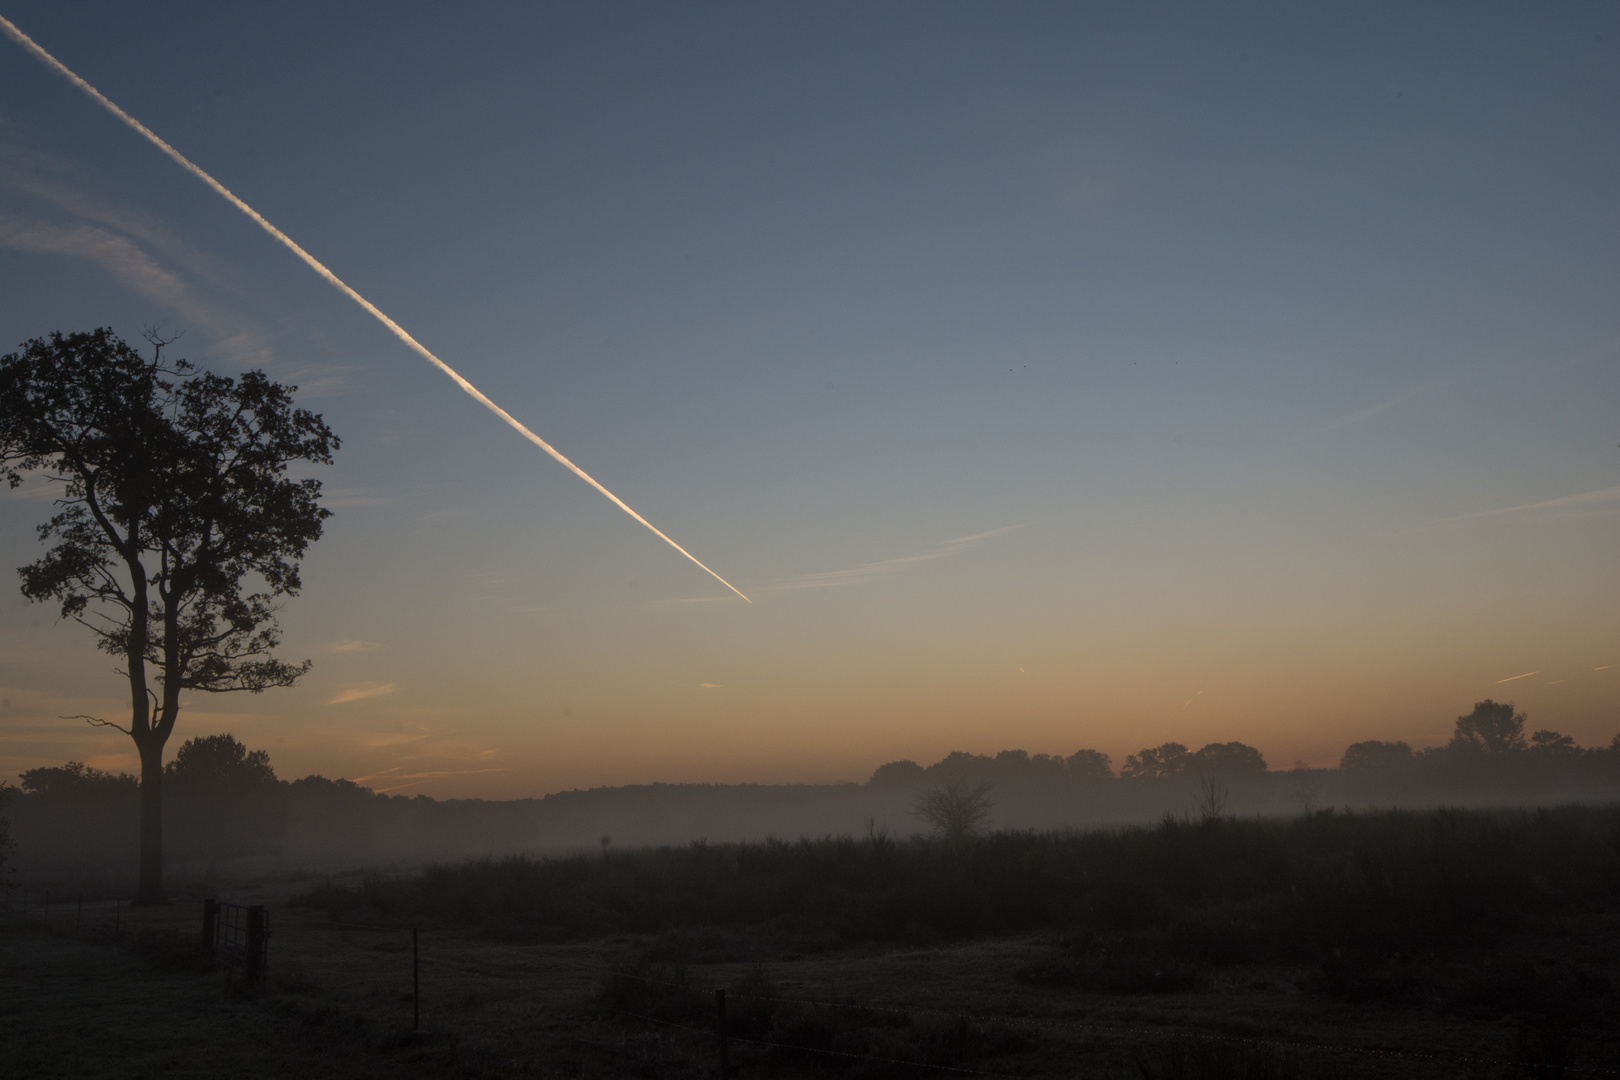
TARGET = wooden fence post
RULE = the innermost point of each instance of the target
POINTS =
(257, 933)
(416, 984)
(210, 926)
(720, 1030)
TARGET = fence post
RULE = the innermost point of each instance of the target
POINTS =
(118, 917)
(47, 907)
(720, 1030)
(210, 926)
(416, 984)
(78, 914)
(253, 962)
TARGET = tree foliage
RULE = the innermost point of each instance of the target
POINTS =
(1492, 728)
(79, 783)
(1090, 765)
(1229, 759)
(1156, 762)
(227, 798)
(1548, 741)
(177, 529)
(1374, 754)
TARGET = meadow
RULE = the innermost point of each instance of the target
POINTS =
(1401, 943)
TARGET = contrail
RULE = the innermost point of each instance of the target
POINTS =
(336, 282)
(1516, 678)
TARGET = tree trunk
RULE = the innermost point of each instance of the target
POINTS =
(151, 887)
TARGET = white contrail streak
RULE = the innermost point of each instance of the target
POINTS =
(336, 282)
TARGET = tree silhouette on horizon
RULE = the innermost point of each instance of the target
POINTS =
(176, 529)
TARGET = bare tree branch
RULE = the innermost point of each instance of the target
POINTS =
(96, 721)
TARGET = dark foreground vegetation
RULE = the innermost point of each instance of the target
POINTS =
(1513, 912)
(1328, 888)
(1477, 945)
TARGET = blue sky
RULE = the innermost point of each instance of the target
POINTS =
(1035, 368)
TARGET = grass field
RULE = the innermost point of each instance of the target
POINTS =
(1533, 997)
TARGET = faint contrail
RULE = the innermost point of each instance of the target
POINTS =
(315, 264)
(1515, 678)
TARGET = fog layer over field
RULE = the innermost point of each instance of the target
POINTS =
(228, 813)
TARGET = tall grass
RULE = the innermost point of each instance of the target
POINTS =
(1213, 893)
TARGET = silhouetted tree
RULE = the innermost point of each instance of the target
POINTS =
(227, 798)
(897, 774)
(960, 765)
(1492, 728)
(1229, 759)
(6, 843)
(1156, 763)
(78, 784)
(1090, 765)
(1548, 741)
(1375, 754)
(957, 810)
(176, 527)
(79, 809)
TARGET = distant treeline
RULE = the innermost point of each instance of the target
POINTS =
(225, 802)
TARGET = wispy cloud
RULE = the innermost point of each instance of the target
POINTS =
(1565, 502)
(118, 255)
(859, 575)
(69, 220)
(1361, 416)
(709, 685)
(1516, 678)
(361, 692)
(393, 738)
(1374, 410)
(354, 645)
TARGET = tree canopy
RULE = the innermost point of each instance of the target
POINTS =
(1492, 728)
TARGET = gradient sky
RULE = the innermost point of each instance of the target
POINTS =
(1050, 375)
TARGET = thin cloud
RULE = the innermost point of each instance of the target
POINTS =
(118, 255)
(354, 645)
(379, 742)
(1372, 411)
(1363, 415)
(1585, 498)
(859, 575)
(709, 685)
(361, 692)
(129, 246)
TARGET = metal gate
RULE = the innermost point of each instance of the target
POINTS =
(238, 937)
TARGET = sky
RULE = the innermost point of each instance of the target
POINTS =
(1048, 375)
